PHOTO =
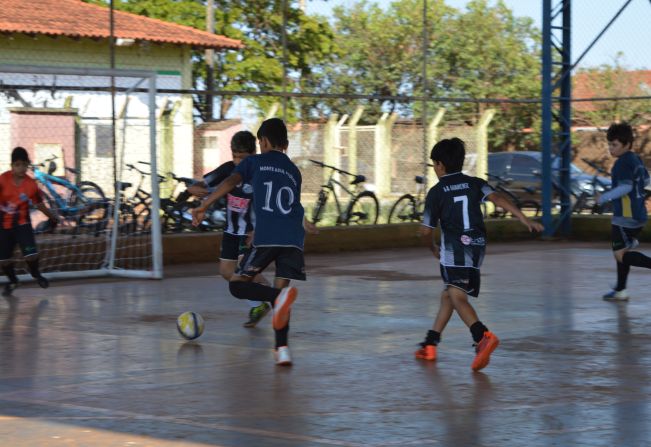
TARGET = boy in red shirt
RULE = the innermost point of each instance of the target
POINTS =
(18, 192)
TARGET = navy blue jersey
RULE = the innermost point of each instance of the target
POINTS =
(276, 185)
(239, 212)
(455, 202)
(630, 210)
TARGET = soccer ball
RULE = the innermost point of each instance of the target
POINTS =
(190, 325)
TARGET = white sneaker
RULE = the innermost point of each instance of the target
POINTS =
(283, 357)
(614, 295)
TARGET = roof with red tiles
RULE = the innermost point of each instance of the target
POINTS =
(76, 19)
(595, 84)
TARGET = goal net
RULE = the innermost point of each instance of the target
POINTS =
(91, 137)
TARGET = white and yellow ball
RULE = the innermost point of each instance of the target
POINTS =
(190, 325)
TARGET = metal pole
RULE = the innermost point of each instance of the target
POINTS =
(546, 139)
(284, 41)
(566, 121)
(210, 61)
(157, 248)
(425, 92)
(112, 62)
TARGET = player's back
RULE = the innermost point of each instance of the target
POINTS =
(455, 204)
(276, 185)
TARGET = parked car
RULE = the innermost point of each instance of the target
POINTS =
(524, 170)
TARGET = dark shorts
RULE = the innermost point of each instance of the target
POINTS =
(624, 237)
(23, 235)
(289, 262)
(232, 247)
(464, 278)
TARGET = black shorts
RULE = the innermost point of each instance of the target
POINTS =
(624, 237)
(290, 263)
(232, 246)
(22, 235)
(464, 278)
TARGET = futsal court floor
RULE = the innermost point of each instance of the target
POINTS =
(99, 362)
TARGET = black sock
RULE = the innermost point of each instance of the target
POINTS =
(622, 276)
(10, 271)
(282, 336)
(637, 259)
(33, 268)
(432, 338)
(253, 291)
(477, 330)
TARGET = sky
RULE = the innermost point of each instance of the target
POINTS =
(630, 34)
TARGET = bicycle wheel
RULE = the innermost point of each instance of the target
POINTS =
(530, 208)
(404, 210)
(363, 210)
(92, 205)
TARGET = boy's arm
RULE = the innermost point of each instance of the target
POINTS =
(427, 236)
(503, 202)
(310, 227)
(224, 188)
(615, 193)
(48, 212)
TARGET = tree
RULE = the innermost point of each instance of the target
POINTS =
(481, 53)
(258, 24)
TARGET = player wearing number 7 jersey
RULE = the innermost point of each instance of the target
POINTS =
(279, 228)
(454, 204)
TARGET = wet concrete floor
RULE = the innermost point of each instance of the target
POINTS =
(99, 363)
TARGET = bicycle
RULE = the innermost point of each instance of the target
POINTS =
(409, 207)
(529, 207)
(83, 203)
(363, 207)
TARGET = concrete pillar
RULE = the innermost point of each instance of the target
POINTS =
(482, 143)
(352, 139)
(329, 154)
(432, 138)
(382, 171)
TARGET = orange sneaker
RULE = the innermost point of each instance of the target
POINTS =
(427, 352)
(484, 349)
(282, 306)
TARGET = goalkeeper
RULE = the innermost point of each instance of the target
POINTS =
(18, 192)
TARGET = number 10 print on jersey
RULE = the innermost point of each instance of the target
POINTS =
(276, 185)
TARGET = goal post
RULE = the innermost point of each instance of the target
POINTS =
(63, 117)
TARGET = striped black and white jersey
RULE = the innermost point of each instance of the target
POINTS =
(454, 203)
(240, 219)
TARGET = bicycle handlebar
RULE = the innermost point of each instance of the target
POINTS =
(595, 166)
(323, 165)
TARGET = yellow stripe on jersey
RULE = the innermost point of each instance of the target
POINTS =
(627, 211)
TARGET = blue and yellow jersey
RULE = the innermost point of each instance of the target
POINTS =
(630, 210)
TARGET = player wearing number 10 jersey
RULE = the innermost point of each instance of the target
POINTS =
(454, 205)
(279, 228)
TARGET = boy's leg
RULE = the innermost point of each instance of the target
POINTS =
(7, 245)
(623, 240)
(433, 337)
(27, 242)
(485, 341)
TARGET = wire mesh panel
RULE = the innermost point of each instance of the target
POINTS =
(81, 148)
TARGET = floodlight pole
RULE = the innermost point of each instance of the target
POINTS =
(425, 92)
(284, 42)
(210, 61)
(563, 137)
(112, 62)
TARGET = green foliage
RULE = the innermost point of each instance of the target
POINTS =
(258, 24)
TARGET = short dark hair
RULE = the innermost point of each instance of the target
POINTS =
(623, 132)
(275, 131)
(243, 141)
(451, 152)
(19, 154)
